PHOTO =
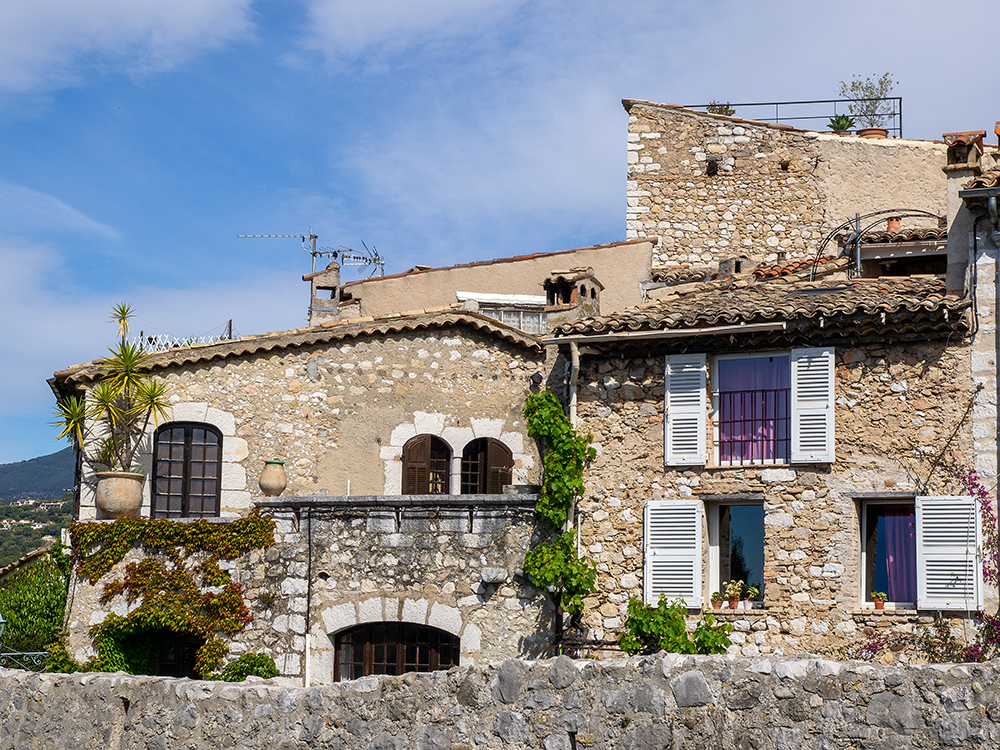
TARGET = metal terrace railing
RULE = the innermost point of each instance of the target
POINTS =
(33, 661)
(816, 111)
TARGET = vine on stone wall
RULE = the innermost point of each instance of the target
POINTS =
(174, 592)
(555, 565)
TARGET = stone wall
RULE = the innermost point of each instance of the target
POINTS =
(776, 191)
(894, 404)
(338, 414)
(680, 702)
(458, 569)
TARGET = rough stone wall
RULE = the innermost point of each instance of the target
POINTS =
(652, 702)
(341, 413)
(458, 570)
(892, 403)
(777, 191)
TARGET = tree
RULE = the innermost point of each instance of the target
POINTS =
(867, 97)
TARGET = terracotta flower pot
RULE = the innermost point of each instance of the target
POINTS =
(119, 493)
(272, 479)
(879, 604)
(734, 602)
(717, 604)
(873, 133)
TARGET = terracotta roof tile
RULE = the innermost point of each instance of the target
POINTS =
(790, 267)
(683, 274)
(919, 234)
(988, 179)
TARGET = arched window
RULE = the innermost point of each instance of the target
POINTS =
(426, 466)
(486, 467)
(187, 471)
(392, 648)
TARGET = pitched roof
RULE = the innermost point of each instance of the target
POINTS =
(919, 234)
(322, 334)
(792, 267)
(904, 306)
(988, 179)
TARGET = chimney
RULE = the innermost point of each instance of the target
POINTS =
(324, 304)
(964, 153)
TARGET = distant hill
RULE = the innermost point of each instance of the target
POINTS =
(43, 478)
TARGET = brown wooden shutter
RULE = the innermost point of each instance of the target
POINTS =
(499, 462)
(416, 458)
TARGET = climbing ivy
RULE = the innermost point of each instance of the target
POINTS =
(174, 593)
(555, 565)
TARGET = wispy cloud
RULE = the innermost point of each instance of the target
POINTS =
(24, 211)
(46, 44)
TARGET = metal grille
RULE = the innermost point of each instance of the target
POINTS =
(393, 648)
(754, 426)
(187, 471)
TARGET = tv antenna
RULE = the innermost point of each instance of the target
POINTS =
(347, 256)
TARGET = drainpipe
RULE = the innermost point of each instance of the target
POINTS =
(574, 373)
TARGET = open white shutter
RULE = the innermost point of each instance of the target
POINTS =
(949, 574)
(812, 405)
(672, 540)
(684, 421)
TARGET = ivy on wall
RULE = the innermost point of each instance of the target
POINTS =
(555, 565)
(179, 584)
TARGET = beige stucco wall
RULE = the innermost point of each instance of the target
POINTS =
(620, 267)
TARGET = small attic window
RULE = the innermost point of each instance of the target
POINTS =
(712, 168)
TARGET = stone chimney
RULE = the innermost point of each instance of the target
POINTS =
(571, 295)
(324, 304)
(964, 153)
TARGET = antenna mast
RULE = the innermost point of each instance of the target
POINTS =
(349, 258)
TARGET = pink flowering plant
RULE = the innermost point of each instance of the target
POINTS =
(972, 484)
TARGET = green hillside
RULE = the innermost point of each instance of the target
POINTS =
(44, 478)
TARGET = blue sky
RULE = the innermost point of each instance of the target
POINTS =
(137, 139)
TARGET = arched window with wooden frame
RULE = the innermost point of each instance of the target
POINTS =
(393, 648)
(426, 466)
(187, 471)
(486, 467)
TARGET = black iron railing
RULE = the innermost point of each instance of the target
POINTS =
(754, 426)
(818, 111)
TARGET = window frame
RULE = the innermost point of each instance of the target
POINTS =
(717, 409)
(408, 459)
(400, 629)
(502, 464)
(863, 596)
(185, 512)
(714, 578)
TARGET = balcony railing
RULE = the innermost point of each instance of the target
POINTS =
(754, 427)
(815, 113)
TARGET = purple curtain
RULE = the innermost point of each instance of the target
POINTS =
(900, 529)
(753, 396)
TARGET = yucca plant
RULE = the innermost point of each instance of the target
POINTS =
(108, 424)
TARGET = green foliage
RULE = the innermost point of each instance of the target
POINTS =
(260, 665)
(664, 628)
(566, 456)
(841, 123)
(59, 659)
(718, 108)
(169, 587)
(21, 535)
(866, 95)
(33, 600)
(556, 566)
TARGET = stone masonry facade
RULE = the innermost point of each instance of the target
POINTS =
(896, 407)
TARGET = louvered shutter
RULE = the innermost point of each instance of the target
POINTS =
(949, 574)
(684, 410)
(499, 461)
(812, 405)
(672, 539)
(416, 458)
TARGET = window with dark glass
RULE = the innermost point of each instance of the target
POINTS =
(426, 466)
(754, 412)
(187, 471)
(393, 648)
(890, 543)
(741, 545)
(486, 467)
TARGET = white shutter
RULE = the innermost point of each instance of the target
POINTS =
(672, 540)
(684, 420)
(812, 405)
(949, 574)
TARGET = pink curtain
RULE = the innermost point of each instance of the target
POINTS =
(753, 396)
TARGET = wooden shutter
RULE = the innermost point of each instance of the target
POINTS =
(949, 574)
(684, 410)
(499, 461)
(812, 405)
(416, 461)
(672, 540)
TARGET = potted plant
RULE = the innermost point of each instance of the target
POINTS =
(753, 591)
(716, 600)
(733, 591)
(868, 105)
(109, 423)
(879, 597)
(841, 124)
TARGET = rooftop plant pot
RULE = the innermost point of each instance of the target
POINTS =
(119, 493)
(873, 133)
(842, 133)
(272, 479)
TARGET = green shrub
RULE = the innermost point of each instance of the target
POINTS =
(260, 665)
(664, 628)
(33, 601)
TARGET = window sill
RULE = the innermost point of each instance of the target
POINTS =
(735, 614)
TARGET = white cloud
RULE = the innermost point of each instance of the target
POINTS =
(25, 211)
(45, 43)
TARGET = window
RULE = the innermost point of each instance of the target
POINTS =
(922, 551)
(426, 466)
(393, 648)
(776, 408)
(187, 471)
(530, 321)
(486, 467)
(736, 545)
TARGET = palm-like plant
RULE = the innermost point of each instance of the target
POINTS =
(113, 418)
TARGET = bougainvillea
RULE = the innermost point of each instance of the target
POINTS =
(972, 483)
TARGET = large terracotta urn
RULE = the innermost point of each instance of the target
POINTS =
(272, 479)
(119, 493)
